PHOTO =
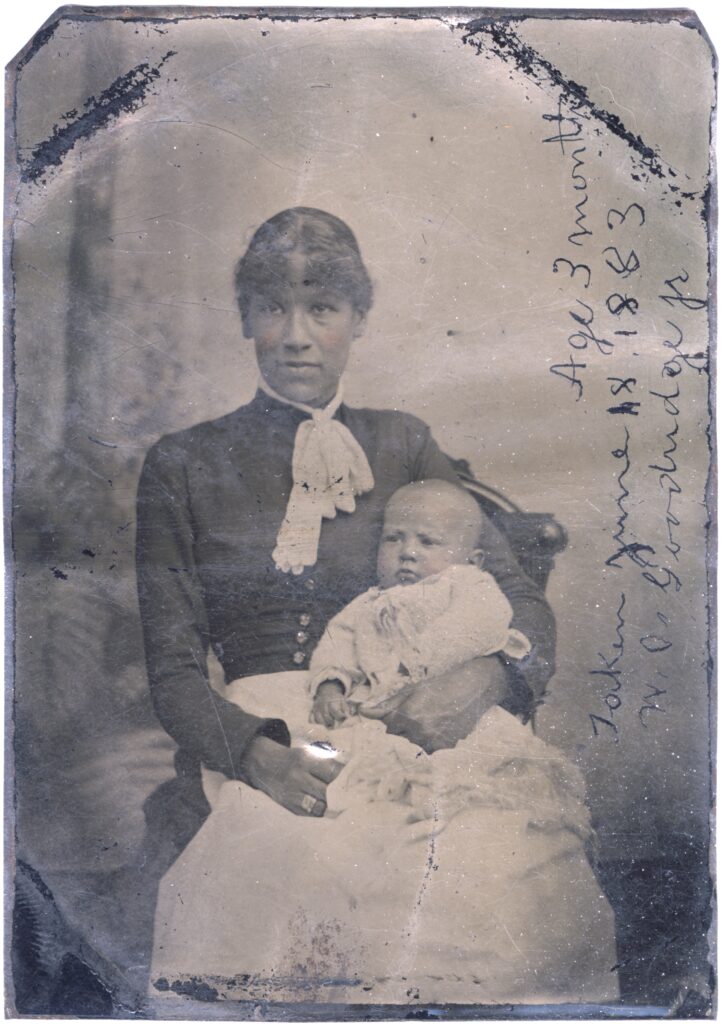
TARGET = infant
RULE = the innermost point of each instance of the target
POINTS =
(453, 875)
(435, 609)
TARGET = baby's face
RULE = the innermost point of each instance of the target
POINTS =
(423, 534)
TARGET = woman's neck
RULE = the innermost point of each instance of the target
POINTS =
(322, 409)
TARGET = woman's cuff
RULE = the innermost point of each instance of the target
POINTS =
(275, 729)
(267, 728)
(270, 728)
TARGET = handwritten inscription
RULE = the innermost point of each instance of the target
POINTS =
(568, 121)
(611, 673)
(616, 366)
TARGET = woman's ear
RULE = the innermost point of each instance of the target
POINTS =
(359, 323)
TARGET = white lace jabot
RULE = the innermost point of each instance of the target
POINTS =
(330, 469)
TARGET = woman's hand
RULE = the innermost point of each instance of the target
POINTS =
(292, 776)
(436, 714)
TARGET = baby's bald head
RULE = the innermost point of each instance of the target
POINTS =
(428, 526)
(448, 504)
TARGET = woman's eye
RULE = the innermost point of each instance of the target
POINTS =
(321, 308)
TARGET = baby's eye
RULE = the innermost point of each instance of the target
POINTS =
(428, 542)
(390, 538)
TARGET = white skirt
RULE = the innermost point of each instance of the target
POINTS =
(457, 877)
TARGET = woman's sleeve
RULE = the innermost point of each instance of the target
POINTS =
(532, 614)
(175, 629)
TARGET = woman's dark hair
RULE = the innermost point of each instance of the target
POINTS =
(330, 246)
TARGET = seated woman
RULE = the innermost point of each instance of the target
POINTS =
(255, 529)
(456, 876)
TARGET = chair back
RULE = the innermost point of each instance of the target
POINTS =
(534, 537)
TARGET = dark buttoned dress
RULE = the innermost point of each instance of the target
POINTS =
(211, 500)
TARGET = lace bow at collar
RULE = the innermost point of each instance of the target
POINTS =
(330, 470)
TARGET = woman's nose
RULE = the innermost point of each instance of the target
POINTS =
(297, 330)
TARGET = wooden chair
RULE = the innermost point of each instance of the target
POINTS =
(534, 537)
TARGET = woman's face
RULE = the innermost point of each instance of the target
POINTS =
(303, 332)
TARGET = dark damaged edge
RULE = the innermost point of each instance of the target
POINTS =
(497, 36)
(484, 28)
(461, 16)
(266, 1010)
(487, 29)
(710, 215)
(127, 93)
(41, 37)
(123, 96)
(9, 417)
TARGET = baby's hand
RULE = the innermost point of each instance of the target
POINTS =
(330, 706)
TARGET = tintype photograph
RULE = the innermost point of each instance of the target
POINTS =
(360, 495)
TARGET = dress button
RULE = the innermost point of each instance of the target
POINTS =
(304, 620)
(309, 585)
(301, 637)
(299, 657)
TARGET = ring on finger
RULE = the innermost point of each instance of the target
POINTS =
(308, 803)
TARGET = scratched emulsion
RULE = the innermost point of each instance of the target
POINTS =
(125, 95)
(498, 39)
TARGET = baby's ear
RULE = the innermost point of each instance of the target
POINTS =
(477, 558)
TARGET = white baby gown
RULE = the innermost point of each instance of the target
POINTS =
(388, 639)
(456, 877)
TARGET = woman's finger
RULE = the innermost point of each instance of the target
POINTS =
(327, 769)
(310, 785)
(377, 711)
(385, 708)
(312, 806)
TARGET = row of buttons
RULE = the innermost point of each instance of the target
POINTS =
(299, 656)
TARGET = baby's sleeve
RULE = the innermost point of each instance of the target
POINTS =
(475, 622)
(335, 657)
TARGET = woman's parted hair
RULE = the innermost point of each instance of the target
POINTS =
(330, 246)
